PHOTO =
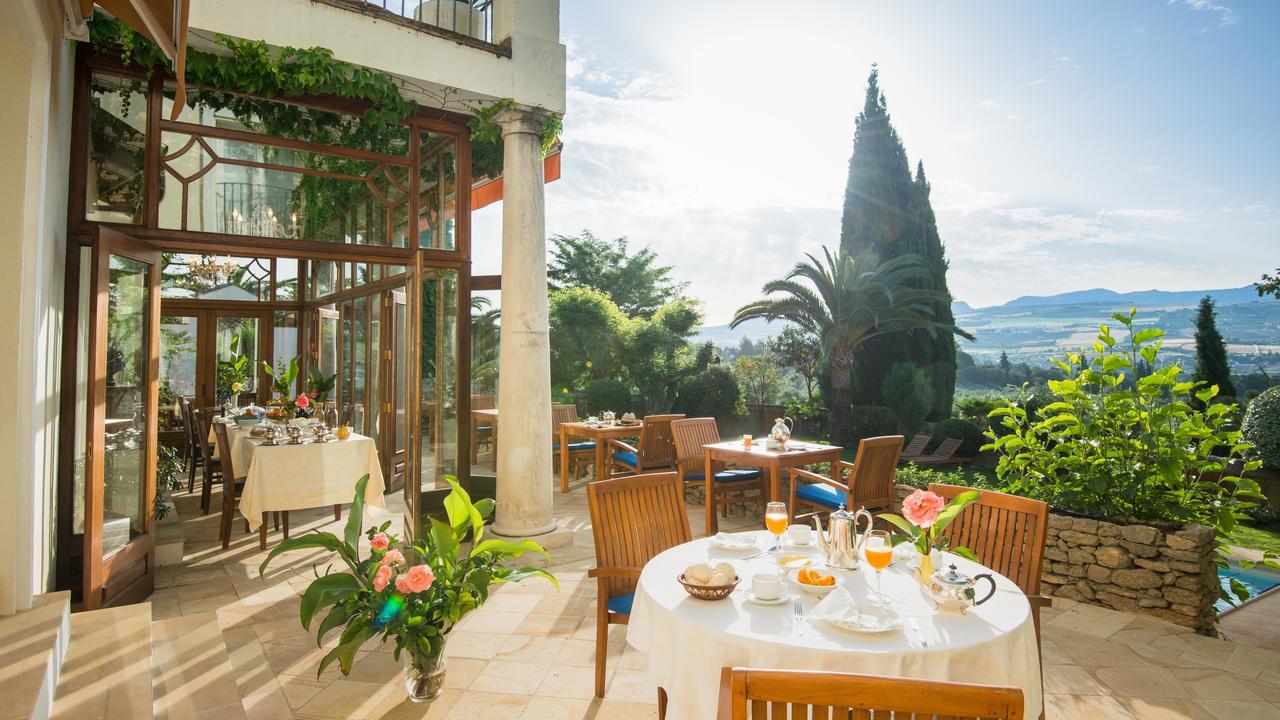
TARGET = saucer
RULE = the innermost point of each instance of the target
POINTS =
(782, 598)
(787, 544)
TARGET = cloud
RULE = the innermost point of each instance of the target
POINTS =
(1037, 81)
(1160, 214)
(1226, 16)
(1146, 168)
(989, 105)
(959, 196)
(1257, 208)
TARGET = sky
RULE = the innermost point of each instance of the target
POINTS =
(1126, 145)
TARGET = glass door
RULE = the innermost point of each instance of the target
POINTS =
(124, 363)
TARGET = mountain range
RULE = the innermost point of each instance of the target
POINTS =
(1167, 299)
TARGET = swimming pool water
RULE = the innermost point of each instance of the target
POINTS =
(1258, 580)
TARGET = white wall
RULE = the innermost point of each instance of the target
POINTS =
(533, 75)
(35, 120)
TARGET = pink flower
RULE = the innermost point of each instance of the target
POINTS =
(419, 578)
(921, 508)
(402, 584)
(303, 401)
(382, 577)
(313, 394)
(380, 541)
(395, 557)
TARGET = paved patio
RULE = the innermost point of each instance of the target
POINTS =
(529, 652)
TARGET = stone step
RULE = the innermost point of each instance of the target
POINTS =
(191, 670)
(33, 645)
(170, 540)
(107, 672)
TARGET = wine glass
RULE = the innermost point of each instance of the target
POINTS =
(776, 520)
(879, 552)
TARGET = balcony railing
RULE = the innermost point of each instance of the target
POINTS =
(469, 18)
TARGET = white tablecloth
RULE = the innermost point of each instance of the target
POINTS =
(296, 477)
(689, 640)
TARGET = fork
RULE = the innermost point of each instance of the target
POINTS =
(797, 611)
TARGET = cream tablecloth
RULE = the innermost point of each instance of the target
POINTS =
(689, 640)
(296, 477)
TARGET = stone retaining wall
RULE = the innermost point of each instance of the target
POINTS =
(1169, 573)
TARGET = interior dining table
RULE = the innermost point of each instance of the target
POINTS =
(771, 461)
(689, 640)
(308, 475)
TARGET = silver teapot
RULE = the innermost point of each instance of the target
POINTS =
(951, 588)
(841, 544)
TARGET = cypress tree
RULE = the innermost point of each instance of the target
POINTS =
(1211, 351)
(888, 210)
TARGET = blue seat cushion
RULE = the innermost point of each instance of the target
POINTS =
(820, 494)
(576, 447)
(621, 603)
(724, 476)
(628, 458)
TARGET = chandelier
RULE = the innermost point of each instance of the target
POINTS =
(207, 267)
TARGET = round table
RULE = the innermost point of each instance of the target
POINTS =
(688, 640)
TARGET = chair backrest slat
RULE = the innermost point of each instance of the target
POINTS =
(483, 402)
(918, 443)
(224, 456)
(657, 447)
(561, 414)
(204, 420)
(689, 436)
(1005, 532)
(871, 481)
(748, 694)
(634, 518)
(946, 449)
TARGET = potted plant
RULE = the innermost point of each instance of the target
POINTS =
(282, 378)
(319, 386)
(414, 594)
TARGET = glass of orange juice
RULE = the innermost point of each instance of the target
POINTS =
(776, 520)
(879, 552)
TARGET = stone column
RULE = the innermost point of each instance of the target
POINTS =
(524, 495)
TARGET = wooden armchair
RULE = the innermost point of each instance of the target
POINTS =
(579, 453)
(655, 451)
(212, 466)
(690, 435)
(1007, 533)
(764, 694)
(870, 479)
(632, 519)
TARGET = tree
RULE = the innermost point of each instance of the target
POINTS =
(1269, 285)
(1006, 367)
(800, 351)
(658, 353)
(888, 212)
(484, 344)
(586, 335)
(907, 392)
(760, 377)
(635, 282)
(1212, 367)
(847, 301)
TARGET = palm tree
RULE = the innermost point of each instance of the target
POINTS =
(484, 344)
(847, 301)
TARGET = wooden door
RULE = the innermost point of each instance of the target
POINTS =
(124, 364)
(395, 396)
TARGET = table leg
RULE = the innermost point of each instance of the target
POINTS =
(262, 532)
(602, 454)
(564, 461)
(475, 441)
(775, 482)
(713, 524)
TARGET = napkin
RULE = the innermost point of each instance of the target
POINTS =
(837, 605)
(726, 540)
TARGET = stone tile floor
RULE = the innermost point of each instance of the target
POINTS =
(529, 652)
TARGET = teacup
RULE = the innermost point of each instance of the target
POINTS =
(766, 586)
(593, 419)
(799, 534)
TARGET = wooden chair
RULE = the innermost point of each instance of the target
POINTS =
(763, 694)
(942, 455)
(212, 465)
(870, 479)
(482, 433)
(690, 435)
(1007, 533)
(231, 495)
(915, 448)
(580, 453)
(194, 455)
(655, 451)
(632, 519)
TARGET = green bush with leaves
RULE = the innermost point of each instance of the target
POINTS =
(1262, 427)
(609, 395)
(971, 435)
(872, 421)
(714, 392)
(907, 391)
(1109, 445)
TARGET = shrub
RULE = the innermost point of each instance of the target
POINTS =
(1262, 427)
(603, 395)
(1107, 445)
(908, 393)
(977, 407)
(714, 392)
(872, 421)
(970, 434)
(812, 420)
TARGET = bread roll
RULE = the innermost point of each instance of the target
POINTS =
(727, 570)
(719, 580)
(699, 574)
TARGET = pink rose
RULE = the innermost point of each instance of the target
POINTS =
(303, 401)
(395, 557)
(382, 577)
(402, 584)
(419, 578)
(313, 394)
(380, 541)
(921, 508)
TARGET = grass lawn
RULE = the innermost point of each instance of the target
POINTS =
(1256, 539)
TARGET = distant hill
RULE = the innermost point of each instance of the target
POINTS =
(722, 336)
(1140, 298)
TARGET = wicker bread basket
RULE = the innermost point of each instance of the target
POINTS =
(709, 592)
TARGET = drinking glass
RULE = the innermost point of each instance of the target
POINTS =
(776, 520)
(879, 552)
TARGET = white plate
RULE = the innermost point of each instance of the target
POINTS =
(819, 590)
(747, 544)
(873, 620)
(791, 563)
(751, 598)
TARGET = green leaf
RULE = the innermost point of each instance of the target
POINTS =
(528, 572)
(344, 653)
(446, 542)
(338, 616)
(1147, 335)
(324, 591)
(325, 540)
(965, 553)
(899, 522)
(355, 519)
(509, 548)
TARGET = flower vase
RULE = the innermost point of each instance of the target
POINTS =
(424, 675)
(929, 562)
